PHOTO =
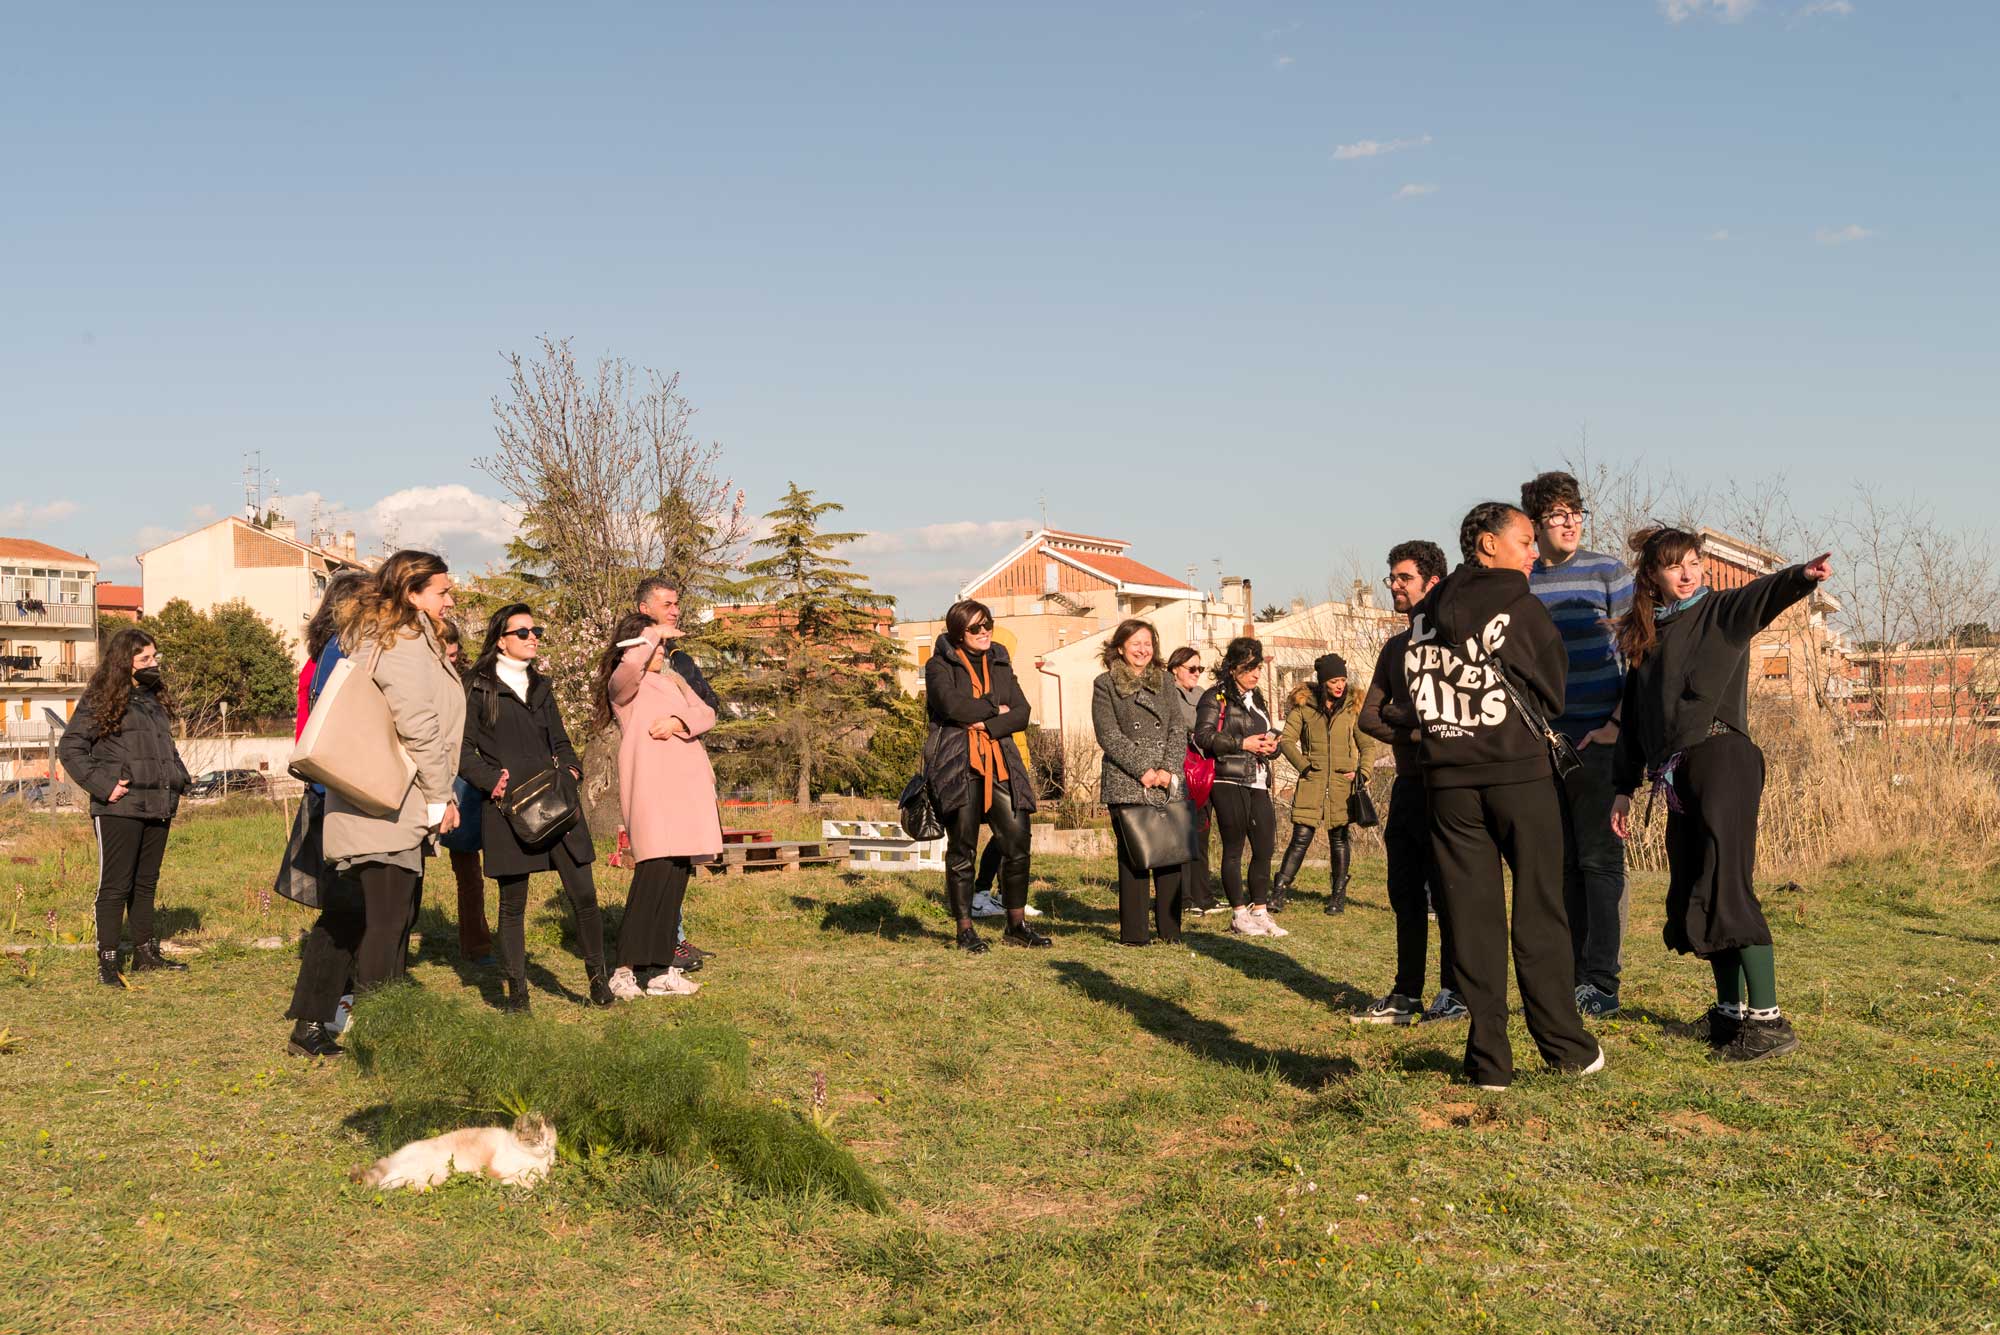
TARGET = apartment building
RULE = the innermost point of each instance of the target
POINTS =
(261, 563)
(48, 648)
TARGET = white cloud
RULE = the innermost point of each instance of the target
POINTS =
(468, 528)
(1283, 61)
(923, 567)
(1415, 192)
(1375, 148)
(1719, 234)
(1729, 11)
(23, 515)
(1840, 236)
(1821, 8)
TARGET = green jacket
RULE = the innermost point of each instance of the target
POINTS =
(1322, 747)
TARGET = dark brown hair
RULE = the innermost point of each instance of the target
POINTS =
(1180, 656)
(1427, 557)
(1243, 652)
(962, 615)
(1545, 491)
(338, 590)
(1115, 646)
(628, 628)
(1652, 548)
(110, 686)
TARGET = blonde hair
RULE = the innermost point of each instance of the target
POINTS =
(380, 609)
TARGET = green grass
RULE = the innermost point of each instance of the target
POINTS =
(1086, 1138)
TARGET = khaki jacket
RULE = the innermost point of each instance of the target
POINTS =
(1322, 747)
(427, 702)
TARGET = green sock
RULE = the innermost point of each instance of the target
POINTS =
(1760, 972)
(1728, 966)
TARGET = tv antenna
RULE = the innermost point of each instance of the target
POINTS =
(256, 485)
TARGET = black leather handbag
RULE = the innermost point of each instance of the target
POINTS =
(542, 807)
(1562, 755)
(918, 809)
(1154, 835)
(1361, 805)
(301, 874)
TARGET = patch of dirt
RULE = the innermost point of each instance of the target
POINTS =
(1698, 1124)
(1448, 1115)
(1872, 1142)
(1236, 1127)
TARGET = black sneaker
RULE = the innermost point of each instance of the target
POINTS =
(1020, 934)
(687, 959)
(1716, 1027)
(310, 1039)
(971, 942)
(146, 956)
(107, 969)
(1392, 1009)
(694, 950)
(1758, 1039)
(1594, 1003)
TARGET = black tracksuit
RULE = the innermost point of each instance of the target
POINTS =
(1690, 699)
(1493, 798)
(131, 832)
(1387, 716)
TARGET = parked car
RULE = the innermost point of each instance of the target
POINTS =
(225, 782)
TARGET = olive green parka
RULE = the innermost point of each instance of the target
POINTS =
(1322, 747)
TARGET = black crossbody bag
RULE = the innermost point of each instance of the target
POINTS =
(1562, 755)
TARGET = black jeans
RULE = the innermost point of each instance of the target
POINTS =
(1594, 872)
(1472, 831)
(582, 893)
(1196, 893)
(1406, 837)
(1139, 888)
(1246, 816)
(652, 923)
(129, 852)
(1010, 831)
(364, 919)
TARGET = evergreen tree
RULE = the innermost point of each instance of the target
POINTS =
(805, 662)
(229, 655)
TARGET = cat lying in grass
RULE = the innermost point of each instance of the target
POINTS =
(518, 1158)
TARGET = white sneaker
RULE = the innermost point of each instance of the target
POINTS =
(984, 905)
(1242, 922)
(671, 983)
(1595, 1066)
(1030, 911)
(623, 985)
(1268, 926)
(342, 1013)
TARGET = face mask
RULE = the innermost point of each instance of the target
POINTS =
(148, 678)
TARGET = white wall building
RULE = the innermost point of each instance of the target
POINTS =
(233, 559)
(48, 647)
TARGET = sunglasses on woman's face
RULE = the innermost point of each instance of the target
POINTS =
(979, 630)
(525, 633)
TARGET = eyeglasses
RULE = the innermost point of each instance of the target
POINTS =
(1565, 518)
(525, 633)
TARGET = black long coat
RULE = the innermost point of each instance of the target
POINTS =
(503, 733)
(952, 706)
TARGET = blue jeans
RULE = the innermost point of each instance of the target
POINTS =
(1594, 871)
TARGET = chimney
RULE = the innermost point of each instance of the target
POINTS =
(1298, 604)
(347, 544)
(1363, 594)
(285, 528)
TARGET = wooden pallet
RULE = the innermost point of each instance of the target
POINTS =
(781, 855)
(881, 845)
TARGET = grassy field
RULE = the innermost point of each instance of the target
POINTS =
(1085, 1138)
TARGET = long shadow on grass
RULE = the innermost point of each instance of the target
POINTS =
(171, 922)
(872, 915)
(1253, 961)
(438, 935)
(1208, 1039)
(1955, 936)
(1071, 908)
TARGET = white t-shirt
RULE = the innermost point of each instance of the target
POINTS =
(1262, 775)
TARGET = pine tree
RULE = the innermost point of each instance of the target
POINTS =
(806, 663)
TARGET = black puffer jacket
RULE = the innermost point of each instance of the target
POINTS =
(1219, 732)
(523, 739)
(141, 753)
(952, 706)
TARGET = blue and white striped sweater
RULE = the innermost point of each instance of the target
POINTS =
(1585, 596)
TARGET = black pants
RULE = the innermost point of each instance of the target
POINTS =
(1594, 893)
(1473, 830)
(1139, 890)
(1246, 816)
(1010, 832)
(129, 852)
(363, 922)
(1196, 893)
(1295, 853)
(652, 923)
(582, 894)
(1406, 836)
(1712, 903)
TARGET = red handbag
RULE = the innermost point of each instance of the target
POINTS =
(1200, 769)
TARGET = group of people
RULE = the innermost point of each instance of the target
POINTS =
(1535, 690)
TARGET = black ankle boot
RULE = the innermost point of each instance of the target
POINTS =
(1020, 934)
(517, 996)
(600, 991)
(971, 942)
(146, 956)
(107, 969)
(310, 1039)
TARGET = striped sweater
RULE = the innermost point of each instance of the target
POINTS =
(1586, 595)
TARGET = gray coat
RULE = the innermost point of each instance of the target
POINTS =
(427, 703)
(1140, 726)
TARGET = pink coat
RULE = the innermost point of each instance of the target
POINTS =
(666, 787)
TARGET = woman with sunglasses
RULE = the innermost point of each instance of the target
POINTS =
(513, 731)
(1184, 670)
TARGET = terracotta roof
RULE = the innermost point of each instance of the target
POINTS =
(119, 595)
(28, 549)
(1125, 570)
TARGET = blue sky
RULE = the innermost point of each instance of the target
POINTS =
(1270, 283)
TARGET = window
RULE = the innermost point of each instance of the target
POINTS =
(1777, 665)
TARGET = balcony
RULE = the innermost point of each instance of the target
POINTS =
(30, 612)
(20, 670)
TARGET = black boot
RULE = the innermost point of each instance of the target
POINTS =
(600, 991)
(1340, 852)
(1020, 934)
(108, 972)
(146, 956)
(517, 996)
(310, 1039)
(971, 942)
(1288, 867)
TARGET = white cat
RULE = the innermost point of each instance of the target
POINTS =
(519, 1158)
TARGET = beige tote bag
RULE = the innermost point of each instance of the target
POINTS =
(350, 743)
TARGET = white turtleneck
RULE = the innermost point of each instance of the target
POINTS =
(513, 674)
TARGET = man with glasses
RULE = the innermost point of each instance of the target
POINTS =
(662, 602)
(1586, 593)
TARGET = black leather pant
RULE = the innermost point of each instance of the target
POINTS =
(1295, 855)
(1010, 833)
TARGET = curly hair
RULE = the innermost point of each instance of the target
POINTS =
(1543, 492)
(1243, 652)
(1427, 557)
(380, 609)
(1485, 517)
(110, 688)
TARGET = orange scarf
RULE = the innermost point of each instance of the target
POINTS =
(983, 751)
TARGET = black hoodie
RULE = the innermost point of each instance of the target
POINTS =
(1475, 624)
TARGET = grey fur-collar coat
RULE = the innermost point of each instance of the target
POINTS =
(1140, 726)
